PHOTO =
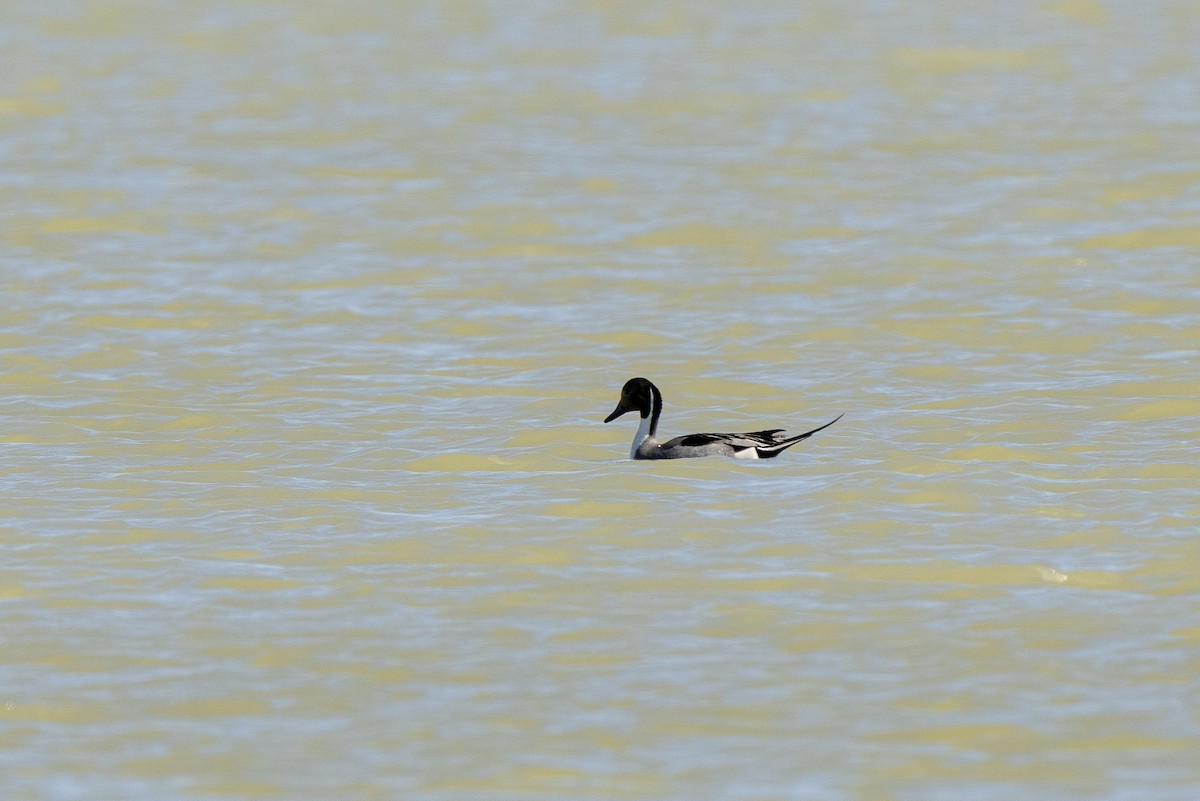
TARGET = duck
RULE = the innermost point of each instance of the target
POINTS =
(641, 396)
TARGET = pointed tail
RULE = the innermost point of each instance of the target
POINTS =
(771, 451)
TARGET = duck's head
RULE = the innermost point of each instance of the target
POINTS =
(638, 395)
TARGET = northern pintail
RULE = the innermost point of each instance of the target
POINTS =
(641, 396)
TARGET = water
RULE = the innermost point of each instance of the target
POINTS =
(311, 315)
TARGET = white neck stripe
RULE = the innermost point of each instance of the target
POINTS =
(643, 434)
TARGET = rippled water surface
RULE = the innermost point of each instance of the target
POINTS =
(311, 314)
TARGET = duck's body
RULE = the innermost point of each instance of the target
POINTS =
(641, 396)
